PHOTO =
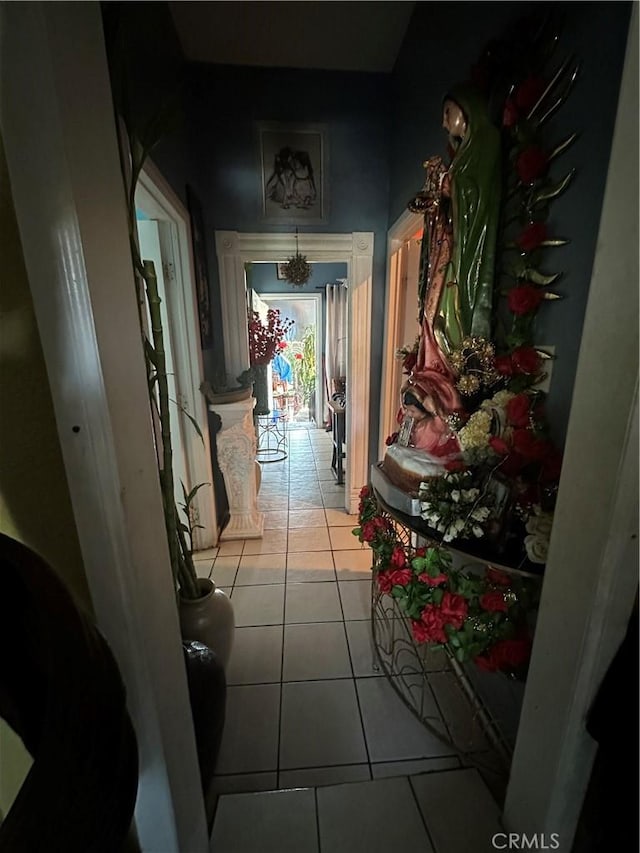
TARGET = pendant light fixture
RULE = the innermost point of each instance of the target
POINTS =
(297, 270)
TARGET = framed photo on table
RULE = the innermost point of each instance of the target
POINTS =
(293, 173)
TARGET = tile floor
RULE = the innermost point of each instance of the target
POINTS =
(306, 707)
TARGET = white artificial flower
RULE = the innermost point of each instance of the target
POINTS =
(458, 525)
(540, 523)
(477, 531)
(480, 514)
(449, 535)
(455, 496)
(537, 548)
(470, 494)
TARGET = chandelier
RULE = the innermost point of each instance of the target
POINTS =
(297, 270)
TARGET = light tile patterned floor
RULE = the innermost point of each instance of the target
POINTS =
(306, 707)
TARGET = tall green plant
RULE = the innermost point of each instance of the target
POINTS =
(135, 147)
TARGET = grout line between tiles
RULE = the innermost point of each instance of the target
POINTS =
(422, 817)
(315, 799)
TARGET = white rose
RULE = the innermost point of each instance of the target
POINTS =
(470, 494)
(540, 524)
(455, 496)
(480, 514)
(477, 531)
(537, 548)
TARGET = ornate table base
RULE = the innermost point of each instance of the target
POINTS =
(236, 445)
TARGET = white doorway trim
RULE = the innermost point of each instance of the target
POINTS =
(317, 299)
(235, 249)
(395, 320)
(156, 198)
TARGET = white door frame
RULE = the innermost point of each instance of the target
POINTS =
(235, 249)
(158, 200)
(317, 299)
(394, 323)
(70, 205)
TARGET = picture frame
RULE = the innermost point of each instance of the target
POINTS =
(201, 268)
(293, 173)
(281, 274)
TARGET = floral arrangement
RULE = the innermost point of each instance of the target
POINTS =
(265, 338)
(297, 270)
(454, 506)
(479, 617)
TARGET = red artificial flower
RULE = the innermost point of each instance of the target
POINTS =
(495, 576)
(503, 365)
(527, 445)
(391, 439)
(436, 581)
(487, 662)
(364, 492)
(400, 577)
(524, 299)
(454, 609)
(384, 582)
(517, 410)
(499, 445)
(531, 164)
(528, 93)
(455, 465)
(421, 552)
(512, 654)
(368, 531)
(433, 621)
(533, 236)
(380, 523)
(398, 558)
(512, 464)
(526, 360)
(510, 113)
(420, 631)
(493, 602)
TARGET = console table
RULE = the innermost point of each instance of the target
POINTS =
(430, 681)
(272, 437)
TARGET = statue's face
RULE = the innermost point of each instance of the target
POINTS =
(453, 119)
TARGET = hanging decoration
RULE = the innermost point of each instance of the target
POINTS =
(297, 270)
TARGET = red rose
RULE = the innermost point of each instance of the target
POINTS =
(432, 619)
(420, 631)
(532, 236)
(526, 360)
(524, 299)
(454, 609)
(518, 410)
(368, 531)
(499, 445)
(398, 558)
(510, 113)
(364, 492)
(503, 365)
(512, 654)
(528, 446)
(426, 578)
(488, 662)
(421, 552)
(384, 582)
(400, 577)
(497, 577)
(528, 93)
(391, 439)
(455, 465)
(532, 163)
(493, 602)
(380, 523)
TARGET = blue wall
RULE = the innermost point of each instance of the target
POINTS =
(443, 41)
(264, 279)
(380, 129)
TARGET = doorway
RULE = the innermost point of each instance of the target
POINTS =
(164, 235)
(297, 386)
(235, 249)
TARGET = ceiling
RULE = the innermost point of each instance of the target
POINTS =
(340, 36)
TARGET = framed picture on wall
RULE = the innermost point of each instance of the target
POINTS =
(201, 268)
(281, 275)
(293, 173)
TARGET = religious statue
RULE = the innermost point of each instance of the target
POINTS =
(461, 208)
